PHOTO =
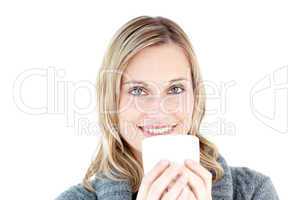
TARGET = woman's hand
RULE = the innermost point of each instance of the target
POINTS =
(199, 181)
(155, 183)
(187, 194)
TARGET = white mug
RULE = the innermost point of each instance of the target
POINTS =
(175, 148)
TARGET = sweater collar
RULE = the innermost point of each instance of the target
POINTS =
(221, 190)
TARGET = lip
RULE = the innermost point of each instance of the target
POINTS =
(149, 134)
(157, 126)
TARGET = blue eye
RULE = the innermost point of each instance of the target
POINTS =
(176, 87)
(136, 89)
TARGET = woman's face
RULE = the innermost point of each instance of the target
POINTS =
(156, 95)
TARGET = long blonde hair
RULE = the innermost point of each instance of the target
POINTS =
(114, 157)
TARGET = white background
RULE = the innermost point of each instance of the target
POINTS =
(48, 135)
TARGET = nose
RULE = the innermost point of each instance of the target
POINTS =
(154, 105)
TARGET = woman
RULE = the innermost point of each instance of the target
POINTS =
(150, 83)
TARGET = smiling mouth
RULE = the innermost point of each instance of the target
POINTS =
(157, 131)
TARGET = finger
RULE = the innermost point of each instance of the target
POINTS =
(162, 182)
(173, 182)
(196, 184)
(184, 195)
(201, 171)
(150, 177)
(191, 195)
(176, 189)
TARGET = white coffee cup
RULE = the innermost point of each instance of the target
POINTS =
(175, 148)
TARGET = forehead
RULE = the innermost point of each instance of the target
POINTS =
(158, 64)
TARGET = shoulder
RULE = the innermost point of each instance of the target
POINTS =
(251, 184)
(76, 192)
(105, 189)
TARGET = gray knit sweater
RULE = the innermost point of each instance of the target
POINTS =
(238, 183)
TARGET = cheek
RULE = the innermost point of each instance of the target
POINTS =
(184, 111)
(128, 118)
(179, 104)
(190, 103)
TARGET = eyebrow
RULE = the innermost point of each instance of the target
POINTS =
(144, 83)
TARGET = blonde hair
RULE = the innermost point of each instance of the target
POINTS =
(114, 157)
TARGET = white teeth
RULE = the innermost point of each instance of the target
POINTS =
(158, 130)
